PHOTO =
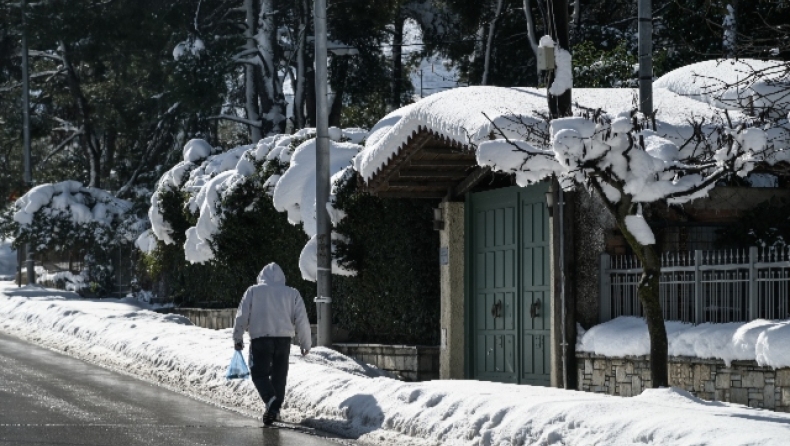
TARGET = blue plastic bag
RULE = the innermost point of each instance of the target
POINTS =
(238, 368)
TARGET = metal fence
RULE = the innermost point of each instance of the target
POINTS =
(703, 286)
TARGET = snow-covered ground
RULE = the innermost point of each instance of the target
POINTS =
(331, 392)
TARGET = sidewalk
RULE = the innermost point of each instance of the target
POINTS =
(331, 392)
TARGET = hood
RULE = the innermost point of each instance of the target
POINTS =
(271, 274)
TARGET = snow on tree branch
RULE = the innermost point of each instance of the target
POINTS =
(622, 159)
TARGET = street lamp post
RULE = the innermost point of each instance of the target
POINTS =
(29, 263)
(324, 226)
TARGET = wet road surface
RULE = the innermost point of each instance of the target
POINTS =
(47, 398)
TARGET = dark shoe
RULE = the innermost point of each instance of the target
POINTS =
(269, 418)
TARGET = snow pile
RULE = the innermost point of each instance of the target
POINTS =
(329, 391)
(62, 279)
(563, 67)
(733, 84)
(146, 242)
(637, 225)
(81, 204)
(195, 150)
(208, 179)
(7, 260)
(295, 192)
(207, 186)
(767, 342)
(191, 48)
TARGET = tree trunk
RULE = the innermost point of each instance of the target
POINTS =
(340, 67)
(90, 142)
(531, 33)
(490, 42)
(559, 106)
(250, 78)
(397, 63)
(272, 98)
(301, 62)
(310, 107)
(110, 147)
(654, 316)
(649, 296)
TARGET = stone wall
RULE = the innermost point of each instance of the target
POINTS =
(592, 226)
(407, 362)
(743, 382)
(214, 319)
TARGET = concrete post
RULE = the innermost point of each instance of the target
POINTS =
(452, 348)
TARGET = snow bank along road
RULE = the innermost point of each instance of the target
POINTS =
(48, 398)
(329, 391)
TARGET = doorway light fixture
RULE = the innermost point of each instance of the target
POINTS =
(438, 220)
(550, 202)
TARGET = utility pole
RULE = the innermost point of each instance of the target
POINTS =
(645, 14)
(324, 225)
(29, 264)
(559, 106)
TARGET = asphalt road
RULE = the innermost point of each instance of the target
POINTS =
(47, 398)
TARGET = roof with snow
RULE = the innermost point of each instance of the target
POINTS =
(733, 84)
(427, 149)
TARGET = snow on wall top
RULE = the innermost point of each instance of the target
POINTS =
(731, 84)
(759, 340)
(460, 115)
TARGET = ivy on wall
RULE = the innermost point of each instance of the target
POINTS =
(395, 296)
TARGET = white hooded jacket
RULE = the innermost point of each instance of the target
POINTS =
(272, 309)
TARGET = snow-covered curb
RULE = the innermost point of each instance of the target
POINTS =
(767, 342)
(328, 391)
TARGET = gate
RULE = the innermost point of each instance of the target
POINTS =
(509, 290)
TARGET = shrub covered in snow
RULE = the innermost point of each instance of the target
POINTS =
(67, 217)
(218, 219)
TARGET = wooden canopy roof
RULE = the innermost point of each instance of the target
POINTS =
(428, 166)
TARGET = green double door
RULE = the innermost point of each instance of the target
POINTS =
(509, 288)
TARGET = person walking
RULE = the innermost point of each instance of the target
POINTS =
(272, 313)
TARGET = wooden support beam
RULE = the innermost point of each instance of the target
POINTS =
(416, 142)
(477, 175)
(438, 195)
(442, 163)
(439, 185)
(456, 174)
(446, 151)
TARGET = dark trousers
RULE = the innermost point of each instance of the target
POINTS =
(269, 368)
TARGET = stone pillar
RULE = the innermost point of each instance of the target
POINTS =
(451, 241)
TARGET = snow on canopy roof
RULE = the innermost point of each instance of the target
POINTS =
(462, 115)
(732, 84)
